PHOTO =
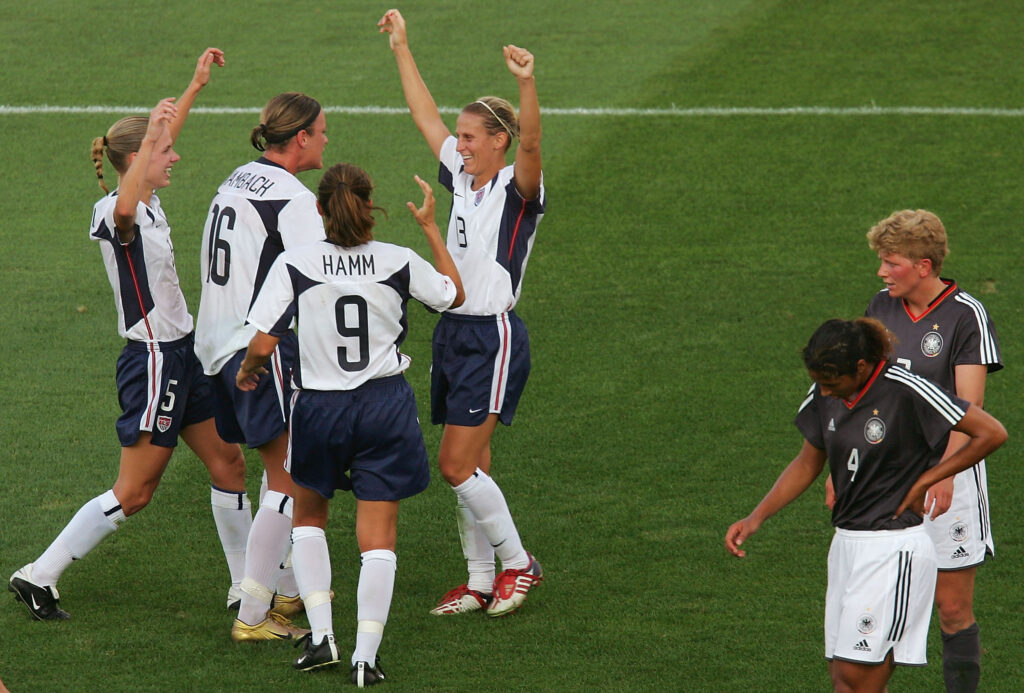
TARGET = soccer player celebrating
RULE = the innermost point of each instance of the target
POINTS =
(481, 351)
(943, 334)
(260, 210)
(883, 431)
(354, 422)
(161, 387)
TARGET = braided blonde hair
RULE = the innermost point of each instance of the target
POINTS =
(122, 139)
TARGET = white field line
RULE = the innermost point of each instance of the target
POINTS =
(674, 111)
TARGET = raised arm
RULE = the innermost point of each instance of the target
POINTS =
(442, 258)
(210, 57)
(417, 96)
(527, 165)
(793, 481)
(132, 187)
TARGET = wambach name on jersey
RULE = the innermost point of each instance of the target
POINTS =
(253, 182)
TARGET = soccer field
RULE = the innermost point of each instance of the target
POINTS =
(711, 170)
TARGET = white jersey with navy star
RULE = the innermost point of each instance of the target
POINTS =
(150, 305)
(490, 234)
(258, 212)
(350, 304)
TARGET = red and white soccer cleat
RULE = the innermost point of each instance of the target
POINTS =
(511, 586)
(461, 600)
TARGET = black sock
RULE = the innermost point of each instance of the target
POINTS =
(961, 660)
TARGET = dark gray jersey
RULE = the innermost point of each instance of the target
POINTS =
(879, 444)
(954, 330)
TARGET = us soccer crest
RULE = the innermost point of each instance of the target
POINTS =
(163, 423)
(874, 430)
(931, 344)
(866, 624)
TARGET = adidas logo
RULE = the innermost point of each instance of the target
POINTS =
(832, 425)
(862, 646)
(960, 553)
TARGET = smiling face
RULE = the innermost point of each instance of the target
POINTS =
(483, 154)
(160, 163)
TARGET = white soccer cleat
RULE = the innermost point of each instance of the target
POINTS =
(461, 600)
(511, 586)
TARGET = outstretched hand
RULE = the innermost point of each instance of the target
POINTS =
(394, 24)
(425, 214)
(160, 118)
(519, 61)
(209, 57)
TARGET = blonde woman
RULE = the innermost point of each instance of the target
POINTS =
(161, 387)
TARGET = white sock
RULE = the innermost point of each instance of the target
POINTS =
(484, 499)
(232, 514)
(266, 549)
(312, 564)
(376, 585)
(477, 549)
(286, 585)
(94, 521)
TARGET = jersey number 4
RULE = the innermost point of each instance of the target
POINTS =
(219, 251)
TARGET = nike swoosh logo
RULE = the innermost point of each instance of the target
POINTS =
(474, 411)
(35, 607)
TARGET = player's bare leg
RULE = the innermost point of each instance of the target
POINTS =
(961, 638)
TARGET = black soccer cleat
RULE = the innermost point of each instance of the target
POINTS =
(42, 601)
(364, 675)
(316, 656)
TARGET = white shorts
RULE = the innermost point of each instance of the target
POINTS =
(880, 590)
(962, 535)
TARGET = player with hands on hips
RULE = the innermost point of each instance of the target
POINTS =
(481, 350)
(944, 334)
(161, 387)
(260, 210)
(354, 422)
(882, 430)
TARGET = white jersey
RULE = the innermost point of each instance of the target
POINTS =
(150, 305)
(490, 234)
(350, 304)
(258, 212)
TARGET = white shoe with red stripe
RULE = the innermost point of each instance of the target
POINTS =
(461, 600)
(511, 586)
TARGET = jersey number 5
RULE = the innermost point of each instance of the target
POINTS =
(357, 328)
(219, 252)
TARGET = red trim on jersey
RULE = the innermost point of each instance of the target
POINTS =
(499, 393)
(950, 288)
(138, 291)
(867, 386)
(515, 231)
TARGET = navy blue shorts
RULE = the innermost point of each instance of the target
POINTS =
(162, 389)
(372, 434)
(260, 416)
(480, 366)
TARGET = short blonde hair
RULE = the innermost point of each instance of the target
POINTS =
(916, 234)
(498, 116)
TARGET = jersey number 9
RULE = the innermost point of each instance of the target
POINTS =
(357, 328)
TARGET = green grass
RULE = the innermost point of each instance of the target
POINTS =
(682, 264)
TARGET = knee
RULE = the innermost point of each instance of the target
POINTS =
(955, 612)
(133, 500)
(228, 471)
(454, 469)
